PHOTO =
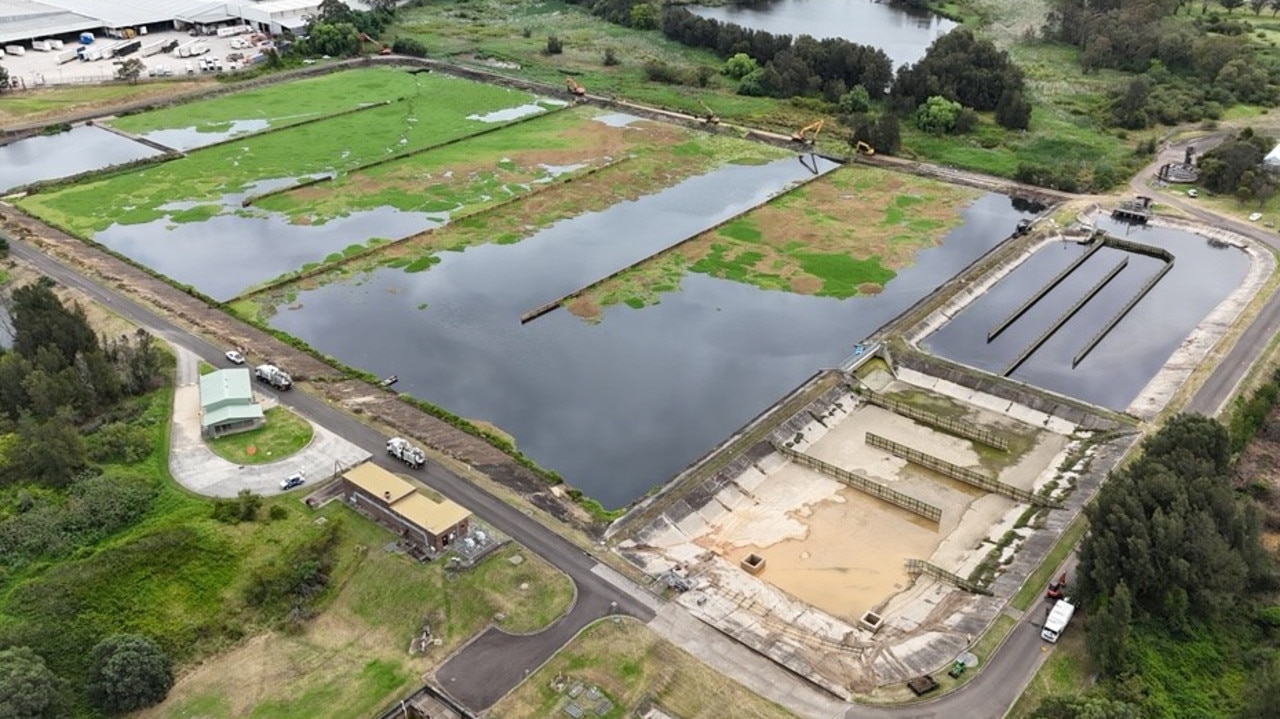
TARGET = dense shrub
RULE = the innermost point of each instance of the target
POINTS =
(95, 507)
(409, 46)
(129, 673)
(287, 588)
(119, 442)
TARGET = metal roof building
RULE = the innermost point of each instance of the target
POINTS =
(226, 403)
(25, 20)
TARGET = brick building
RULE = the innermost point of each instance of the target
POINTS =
(395, 504)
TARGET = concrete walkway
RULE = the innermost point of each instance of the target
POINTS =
(197, 468)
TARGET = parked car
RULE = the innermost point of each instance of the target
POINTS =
(1255, 217)
(1193, 193)
(235, 357)
(294, 480)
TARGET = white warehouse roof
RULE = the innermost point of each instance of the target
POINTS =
(130, 13)
(26, 20)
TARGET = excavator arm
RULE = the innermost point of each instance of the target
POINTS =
(809, 133)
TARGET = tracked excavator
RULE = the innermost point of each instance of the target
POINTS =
(384, 49)
(710, 117)
(808, 134)
(574, 88)
(865, 149)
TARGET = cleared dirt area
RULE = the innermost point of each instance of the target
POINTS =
(832, 553)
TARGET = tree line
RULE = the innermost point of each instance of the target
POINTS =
(1186, 72)
(1171, 573)
(60, 377)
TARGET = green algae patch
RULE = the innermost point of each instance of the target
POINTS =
(841, 235)
(278, 105)
(479, 172)
(222, 174)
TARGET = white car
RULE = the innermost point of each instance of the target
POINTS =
(235, 357)
(294, 480)
(1255, 217)
(1193, 193)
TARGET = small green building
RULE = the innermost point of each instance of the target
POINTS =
(226, 403)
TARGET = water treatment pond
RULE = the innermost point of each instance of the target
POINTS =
(619, 406)
(1119, 367)
(904, 35)
(79, 150)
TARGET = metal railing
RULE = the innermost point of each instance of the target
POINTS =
(869, 486)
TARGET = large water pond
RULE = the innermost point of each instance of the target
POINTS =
(904, 35)
(79, 150)
(1117, 369)
(619, 406)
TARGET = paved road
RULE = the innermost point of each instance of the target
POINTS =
(1222, 382)
(476, 677)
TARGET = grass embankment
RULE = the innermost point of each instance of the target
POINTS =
(661, 155)
(634, 667)
(278, 105)
(50, 103)
(348, 660)
(204, 177)
(842, 235)
(467, 176)
(284, 434)
(352, 660)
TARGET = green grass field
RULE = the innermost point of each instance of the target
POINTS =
(283, 435)
(206, 177)
(633, 667)
(32, 105)
(179, 576)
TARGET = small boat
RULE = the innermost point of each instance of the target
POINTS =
(389, 381)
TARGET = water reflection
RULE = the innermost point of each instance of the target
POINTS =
(903, 35)
(82, 149)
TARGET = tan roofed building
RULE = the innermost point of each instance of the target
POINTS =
(399, 506)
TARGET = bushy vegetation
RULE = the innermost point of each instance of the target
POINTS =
(1184, 71)
(1175, 587)
(1235, 167)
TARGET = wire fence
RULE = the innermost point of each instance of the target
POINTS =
(870, 486)
(962, 474)
(917, 567)
(949, 425)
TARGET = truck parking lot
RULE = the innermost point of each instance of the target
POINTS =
(189, 55)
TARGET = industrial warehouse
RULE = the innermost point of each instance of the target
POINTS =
(25, 21)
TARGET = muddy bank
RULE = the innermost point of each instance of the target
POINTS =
(376, 404)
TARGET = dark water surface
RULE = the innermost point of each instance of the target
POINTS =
(903, 35)
(1117, 369)
(79, 150)
(227, 254)
(619, 406)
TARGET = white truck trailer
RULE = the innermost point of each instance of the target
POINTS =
(273, 376)
(400, 448)
(1058, 619)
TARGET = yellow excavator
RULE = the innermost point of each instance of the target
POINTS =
(710, 117)
(808, 134)
(865, 149)
(574, 88)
